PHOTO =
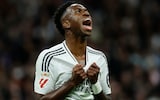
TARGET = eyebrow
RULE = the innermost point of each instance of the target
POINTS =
(84, 9)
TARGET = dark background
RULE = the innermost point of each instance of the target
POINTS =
(127, 31)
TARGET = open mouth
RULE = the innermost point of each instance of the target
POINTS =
(87, 22)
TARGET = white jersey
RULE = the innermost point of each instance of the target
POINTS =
(54, 67)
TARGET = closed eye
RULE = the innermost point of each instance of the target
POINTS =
(78, 10)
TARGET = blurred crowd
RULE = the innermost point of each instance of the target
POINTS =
(127, 31)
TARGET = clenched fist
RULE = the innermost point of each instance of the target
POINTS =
(78, 74)
(92, 73)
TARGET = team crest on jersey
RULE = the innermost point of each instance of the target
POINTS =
(46, 74)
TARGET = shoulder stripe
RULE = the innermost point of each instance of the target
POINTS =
(48, 56)
(47, 65)
(48, 59)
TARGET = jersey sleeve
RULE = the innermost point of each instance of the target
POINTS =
(43, 82)
(104, 76)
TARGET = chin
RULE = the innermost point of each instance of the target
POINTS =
(87, 33)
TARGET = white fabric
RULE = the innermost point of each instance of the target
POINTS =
(59, 62)
(96, 88)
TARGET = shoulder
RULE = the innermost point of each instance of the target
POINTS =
(52, 50)
(96, 52)
(57, 48)
(45, 56)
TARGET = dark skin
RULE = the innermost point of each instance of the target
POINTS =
(76, 39)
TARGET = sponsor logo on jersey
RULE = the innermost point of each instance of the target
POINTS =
(43, 82)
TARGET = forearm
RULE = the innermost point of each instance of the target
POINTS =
(60, 93)
(98, 92)
(102, 96)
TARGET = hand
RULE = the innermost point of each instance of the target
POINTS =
(93, 72)
(78, 74)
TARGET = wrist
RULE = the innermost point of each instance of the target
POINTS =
(71, 83)
(96, 88)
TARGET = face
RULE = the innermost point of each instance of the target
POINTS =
(79, 19)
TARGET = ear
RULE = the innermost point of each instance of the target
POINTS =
(66, 24)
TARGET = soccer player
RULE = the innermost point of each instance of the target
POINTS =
(72, 70)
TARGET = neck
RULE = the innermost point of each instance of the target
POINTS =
(77, 46)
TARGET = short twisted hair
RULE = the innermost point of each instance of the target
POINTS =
(58, 14)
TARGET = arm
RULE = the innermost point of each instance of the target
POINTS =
(60, 93)
(92, 73)
(78, 75)
(102, 96)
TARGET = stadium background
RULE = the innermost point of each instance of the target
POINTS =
(128, 31)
